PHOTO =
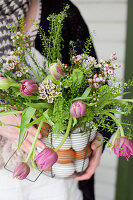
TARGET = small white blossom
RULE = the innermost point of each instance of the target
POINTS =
(97, 79)
(6, 66)
(19, 74)
(47, 86)
(41, 90)
(49, 91)
(110, 72)
(60, 93)
(12, 37)
(115, 66)
(44, 82)
(53, 93)
(43, 96)
(50, 99)
(52, 86)
(100, 66)
(12, 65)
(24, 70)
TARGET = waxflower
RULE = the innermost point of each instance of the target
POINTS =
(21, 171)
(5, 83)
(46, 158)
(28, 87)
(78, 109)
(123, 147)
(56, 70)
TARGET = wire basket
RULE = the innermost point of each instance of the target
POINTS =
(74, 154)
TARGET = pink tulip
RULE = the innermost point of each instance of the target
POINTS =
(123, 147)
(28, 87)
(46, 158)
(56, 70)
(78, 109)
(21, 171)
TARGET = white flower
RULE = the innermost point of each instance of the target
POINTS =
(100, 66)
(18, 33)
(97, 79)
(44, 82)
(6, 66)
(101, 78)
(52, 86)
(53, 93)
(50, 99)
(19, 74)
(115, 66)
(60, 93)
(12, 65)
(43, 96)
(101, 61)
(12, 37)
(110, 72)
(24, 70)
(49, 82)
(47, 86)
(49, 91)
(41, 90)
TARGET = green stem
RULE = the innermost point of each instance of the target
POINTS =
(116, 121)
(66, 134)
(126, 100)
(34, 142)
(16, 85)
(12, 112)
(116, 135)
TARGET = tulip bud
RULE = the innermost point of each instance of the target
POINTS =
(56, 70)
(78, 109)
(21, 171)
(123, 147)
(46, 158)
(28, 87)
(5, 83)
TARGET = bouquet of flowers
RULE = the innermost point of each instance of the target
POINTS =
(78, 100)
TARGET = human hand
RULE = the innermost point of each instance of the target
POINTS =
(94, 160)
(12, 133)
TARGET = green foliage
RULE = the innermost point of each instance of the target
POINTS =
(88, 43)
(52, 43)
(60, 115)
(72, 51)
(84, 79)
(77, 76)
(27, 115)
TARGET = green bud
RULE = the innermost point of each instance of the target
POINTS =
(5, 83)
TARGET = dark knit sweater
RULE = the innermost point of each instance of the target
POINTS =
(76, 30)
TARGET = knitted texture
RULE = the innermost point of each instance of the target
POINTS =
(10, 11)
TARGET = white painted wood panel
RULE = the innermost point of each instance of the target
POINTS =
(106, 12)
(98, 1)
(109, 31)
(108, 19)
